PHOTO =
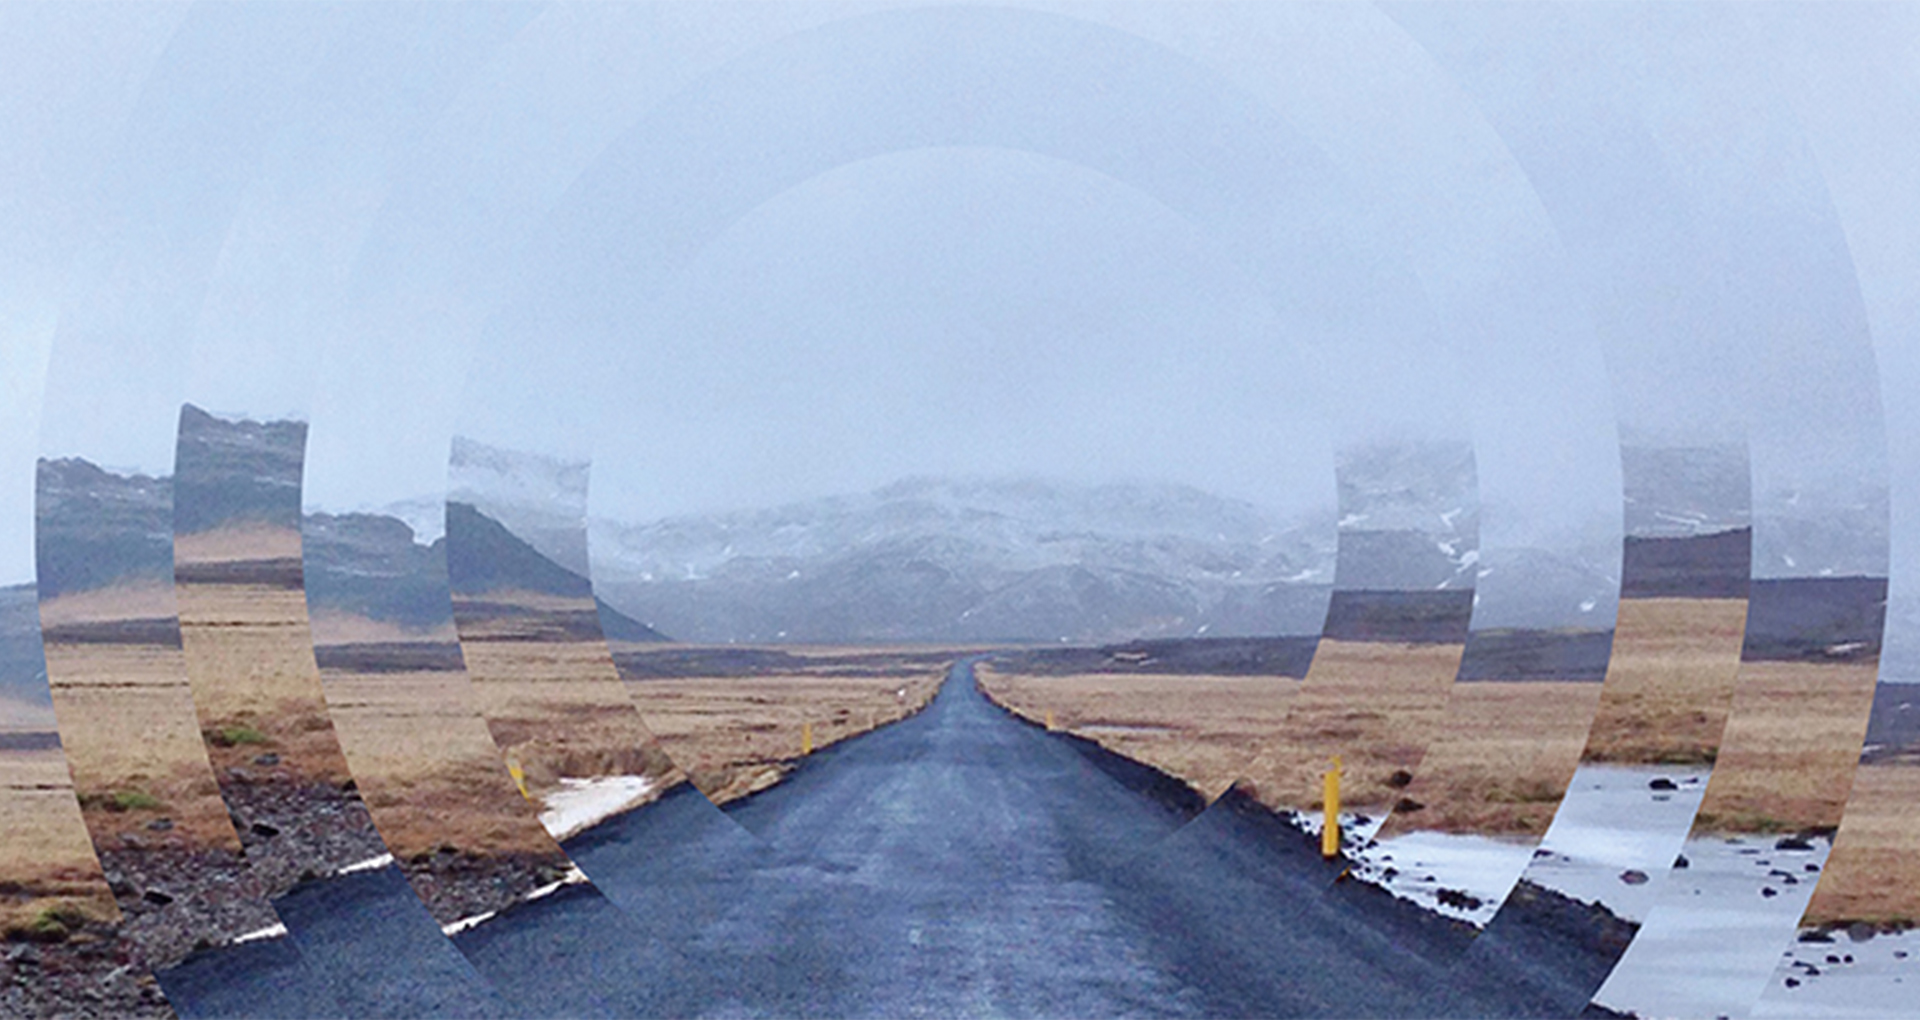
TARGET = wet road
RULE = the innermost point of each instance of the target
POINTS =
(962, 862)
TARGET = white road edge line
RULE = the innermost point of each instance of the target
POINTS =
(367, 865)
(574, 876)
(272, 931)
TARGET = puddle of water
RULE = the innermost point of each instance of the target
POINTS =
(1615, 837)
(1878, 977)
(1715, 936)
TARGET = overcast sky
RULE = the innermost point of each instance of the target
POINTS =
(742, 253)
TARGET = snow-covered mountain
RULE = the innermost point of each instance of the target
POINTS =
(944, 560)
(1409, 516)
(1686, 491)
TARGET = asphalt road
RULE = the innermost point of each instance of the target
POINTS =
(963, 862)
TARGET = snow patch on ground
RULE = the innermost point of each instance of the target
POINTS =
(1876, 977)
(1616, 834)
(1461, 876)
(1714, 938)
(581, 804)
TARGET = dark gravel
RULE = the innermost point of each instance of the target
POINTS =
(94, 972)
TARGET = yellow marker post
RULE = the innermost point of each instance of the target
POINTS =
(1049, 719)
(519, 775)
(806, 738)
(1330, 802)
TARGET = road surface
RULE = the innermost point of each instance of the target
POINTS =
(964, 862)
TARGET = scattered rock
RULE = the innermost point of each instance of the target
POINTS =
(1811, 867)
(1815, 935)
(1860, 931)
(268, 759)
(1769, 892)
(156, 897)
(1833, 958)
(1633, 876)
(1408, 804)
(263, 830)
(1663, 784)
(160, 824)
(1792, 843)
(1400, 779)
(1793, 982)
(1899, 954)
(1682, 862)
(1458, 899)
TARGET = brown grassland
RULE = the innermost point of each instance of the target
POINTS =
(553, 700)
(1791, 748)
(1669, 683)
(132, 737)
(1502, 761)
(426, 766)
(249, 655)
(1375, 705)
(1488, 757)
(47, 865)
(740, 734)
(1204, 730)
(1873, 874)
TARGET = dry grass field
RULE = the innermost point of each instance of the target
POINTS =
(1873, 874)
(432, 778)
(1791, 748)
(132, 737)
(48, 870)
(146, 789)
(1376, 705)
(1501, 761)
(249, 655)
(1669, 683)
(550, 693)
(734, 724)
(1205, 730)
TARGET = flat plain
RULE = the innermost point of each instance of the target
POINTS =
(732, 719)
(1204, 730)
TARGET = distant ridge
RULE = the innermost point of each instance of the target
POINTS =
(1712, 566)
(975, 560)
(483, 556)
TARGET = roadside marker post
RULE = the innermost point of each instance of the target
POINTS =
(1049, 720)
(1330, 803)
(806, 738)
(519, 775)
